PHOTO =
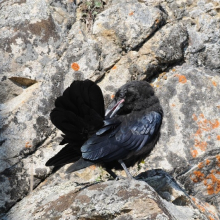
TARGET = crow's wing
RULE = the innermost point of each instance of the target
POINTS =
(78, 113)
(125, 134)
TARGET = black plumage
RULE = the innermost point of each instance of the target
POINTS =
(125, 135)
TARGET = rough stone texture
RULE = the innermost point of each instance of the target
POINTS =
(109, 200)
(83, 51)
(164, 49)
(129, 24)
(175, 45)
(124, 27)
(189, 143)
(9, 90)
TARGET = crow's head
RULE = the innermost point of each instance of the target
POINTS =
(133, 96)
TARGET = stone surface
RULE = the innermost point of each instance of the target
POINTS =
(9, 90)
(109, 200)
(129, 24)
(124, 27)
(44, 46)
(190, 131)
(164, 49)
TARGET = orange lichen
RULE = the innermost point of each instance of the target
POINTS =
(112, 96)
(202, 145)
(131, 13)
(194, 153)
(193, 199)
(27, 145)
(75, 66)
(198, 176)
(198, 132)
(212, 183)
(202, 115)
(194, 117)
(92, 167)
(200, 165)
(201, 208)
(114, 67)
(204, 207)
(177, 126)
(162, 75)
(182, 78)
(173, 105)
(218, 158)
(173, 69)
(214, 186)
(214, 83)
(218, 137)
(204, 126)
(157, 21)
(207, 162)
(215, 124)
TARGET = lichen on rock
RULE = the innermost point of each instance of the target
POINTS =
(174, 45)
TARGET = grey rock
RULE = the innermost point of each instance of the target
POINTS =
(125, 27)
(109, 200)
(189, 134)
(165, 48)
(128, 24)
(9, 90)
(85, 52)
(29, 74)
(44, 46)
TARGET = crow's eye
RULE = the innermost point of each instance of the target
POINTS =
(121, 95)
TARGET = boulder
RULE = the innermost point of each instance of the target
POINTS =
(107, 200)
(44, 46)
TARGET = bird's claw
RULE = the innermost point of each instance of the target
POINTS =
(123, 178)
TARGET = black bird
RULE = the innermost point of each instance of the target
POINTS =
(126, 134)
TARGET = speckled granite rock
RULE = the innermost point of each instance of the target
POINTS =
(109, 200)
(159, 52)
(125, 27)
(189, 143)
(43, 47)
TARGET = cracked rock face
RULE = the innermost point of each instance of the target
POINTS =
(44, 46)
(110, 200)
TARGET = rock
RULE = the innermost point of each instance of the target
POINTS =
(129, 24)
(125, 27)
(21, 178)
(164, 49)
(190, 130)
(169, 190)
(109, 200)
(84, 52)
(44, 46)
(31, 77)
(202, 21)
(9, 90)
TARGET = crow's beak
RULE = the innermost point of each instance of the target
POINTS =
(113, 108)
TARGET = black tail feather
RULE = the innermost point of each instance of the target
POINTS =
(78, 113)
(78, 165)
(69, 154)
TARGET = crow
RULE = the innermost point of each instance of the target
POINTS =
(117, 138)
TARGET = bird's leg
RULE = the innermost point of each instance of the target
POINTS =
(111, 173)
(125, 169)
